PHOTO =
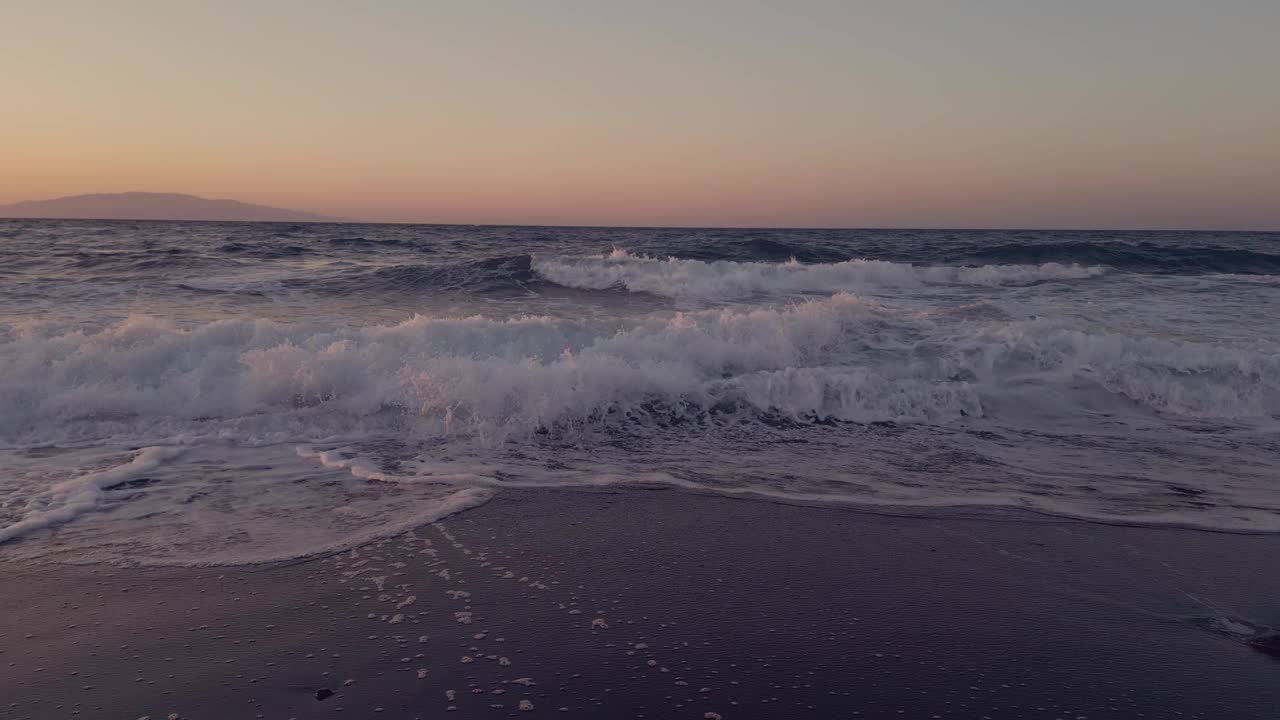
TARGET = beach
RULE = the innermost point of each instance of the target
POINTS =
(683, 361)
(666, 604)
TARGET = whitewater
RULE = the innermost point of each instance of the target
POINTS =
(223, 393)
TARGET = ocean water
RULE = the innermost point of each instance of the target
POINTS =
(206, 393)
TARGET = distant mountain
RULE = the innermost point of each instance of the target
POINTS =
(154, 206)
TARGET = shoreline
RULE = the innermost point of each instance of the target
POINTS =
(754, 610)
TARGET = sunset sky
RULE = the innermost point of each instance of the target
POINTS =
(979, 113)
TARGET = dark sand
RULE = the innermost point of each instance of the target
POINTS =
(746, 609)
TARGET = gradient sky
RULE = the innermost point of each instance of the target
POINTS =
(907, 113)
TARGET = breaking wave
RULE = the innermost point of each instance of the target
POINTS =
(842, 358)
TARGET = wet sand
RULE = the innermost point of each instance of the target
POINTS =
(661, 604)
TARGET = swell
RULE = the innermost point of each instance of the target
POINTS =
(488, 275)
(1141, 257)
(1171, 255)
(728, 280)
(358, 242)
(708, 266)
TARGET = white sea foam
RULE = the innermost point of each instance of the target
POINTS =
(217, 505)
(839, 358)
(63, 501)
(728, 280)
(1182, 378)
(473, 374)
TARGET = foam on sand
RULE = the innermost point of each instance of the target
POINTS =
(167, 507)
(64, 501)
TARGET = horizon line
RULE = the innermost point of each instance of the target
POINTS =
(814, 228)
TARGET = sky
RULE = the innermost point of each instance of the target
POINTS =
(901, 113)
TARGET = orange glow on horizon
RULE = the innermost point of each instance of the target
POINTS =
(536, 117)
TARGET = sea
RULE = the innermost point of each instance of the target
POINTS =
(202, 393)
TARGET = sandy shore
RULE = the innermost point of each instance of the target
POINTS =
(659, 604)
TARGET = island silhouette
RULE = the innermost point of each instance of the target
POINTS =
(155, 206)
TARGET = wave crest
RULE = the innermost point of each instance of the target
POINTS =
(728, 280)
(841, 358)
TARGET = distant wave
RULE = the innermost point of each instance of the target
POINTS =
(495, 274)
(1143, 257)
(1171, 255)
(361, 242)
(718, 269)
(726, 280)
(263, 251)
(775, 250)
